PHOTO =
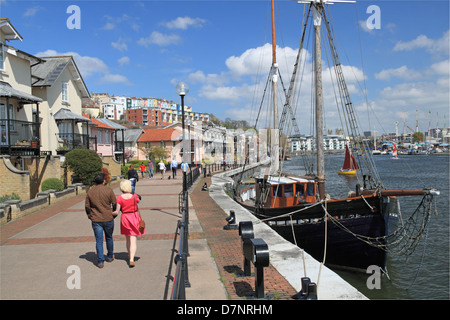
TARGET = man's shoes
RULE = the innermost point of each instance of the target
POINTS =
(110, 259)
(100, 265)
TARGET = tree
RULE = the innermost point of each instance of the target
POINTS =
(85, 164)
(418, 137)
(155, 152)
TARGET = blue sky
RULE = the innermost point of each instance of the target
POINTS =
(143, 48)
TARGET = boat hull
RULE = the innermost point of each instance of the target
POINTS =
(366, 216)
(343, 250)
(347, 172)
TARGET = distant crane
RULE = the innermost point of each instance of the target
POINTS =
(415, 133)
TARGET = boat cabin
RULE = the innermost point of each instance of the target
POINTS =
(287, 191)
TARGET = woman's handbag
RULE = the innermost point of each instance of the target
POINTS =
(141, 222)
(141, 226)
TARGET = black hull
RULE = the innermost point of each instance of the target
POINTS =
(344, 250)
(367, 217)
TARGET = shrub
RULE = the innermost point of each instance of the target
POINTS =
(52, 183)
(7, 197)
(85, 164)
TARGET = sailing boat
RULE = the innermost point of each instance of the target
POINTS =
(394, 152)
(350, 165)
(353, 229)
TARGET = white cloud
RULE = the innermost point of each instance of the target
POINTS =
(120, 45)
(184, 23)
(441, 68)
(252, 60)
(109, 26)
(124, 20)
(159, 39)
(213, 79)
(402, 73)
(434, 46)
(115, 78)
(123, 61)
(30, 12)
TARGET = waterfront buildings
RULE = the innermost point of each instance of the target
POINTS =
(142, 111)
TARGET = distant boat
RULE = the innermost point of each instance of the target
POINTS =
(394, 152)
(350, 165)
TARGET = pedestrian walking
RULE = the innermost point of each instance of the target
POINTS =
(150, 169)
(100, 205)
(162, 168)
(173, 166)
(142, 167)
(129, 219)
(133, 177)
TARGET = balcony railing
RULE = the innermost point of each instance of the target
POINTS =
(19, 137)
(71, 141)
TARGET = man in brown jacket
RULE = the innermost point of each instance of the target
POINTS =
(100, 204)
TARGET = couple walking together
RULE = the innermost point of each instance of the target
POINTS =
(102, 207)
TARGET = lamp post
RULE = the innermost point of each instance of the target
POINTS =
(182, 89)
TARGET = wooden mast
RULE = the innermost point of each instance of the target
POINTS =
(317, 17)
(275, 138)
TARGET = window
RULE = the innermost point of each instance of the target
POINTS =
(64, 92)
(5, 117)
(288, 190)
(310, 189)
(276, 190)
(2, 56)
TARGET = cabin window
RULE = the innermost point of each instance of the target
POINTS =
(299, 190)
(310, 189)
(277, 191)
(288, 190)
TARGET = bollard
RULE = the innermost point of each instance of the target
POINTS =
(257, 251)
(231, 222)
(308, 291)
(246, 232)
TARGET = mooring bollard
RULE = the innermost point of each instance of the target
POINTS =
(308, 291)
(231, 219)
(255, 251)
(246, 232)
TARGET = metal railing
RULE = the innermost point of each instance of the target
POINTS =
(19, 137)
(181, 278)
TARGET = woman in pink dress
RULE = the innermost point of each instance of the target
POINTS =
(130, 218)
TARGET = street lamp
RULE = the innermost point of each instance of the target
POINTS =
(182, 89)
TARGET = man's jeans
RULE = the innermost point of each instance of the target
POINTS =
(108, 228)
(133, 184)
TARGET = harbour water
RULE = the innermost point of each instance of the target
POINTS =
(424, 274)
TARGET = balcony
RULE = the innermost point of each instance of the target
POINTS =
(70, 141)
(19, 138)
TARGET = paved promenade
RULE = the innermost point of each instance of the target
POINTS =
(41, 254)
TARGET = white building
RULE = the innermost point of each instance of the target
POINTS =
(309, 143)
(115, 108)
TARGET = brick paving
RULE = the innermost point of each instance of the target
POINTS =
(226, 248)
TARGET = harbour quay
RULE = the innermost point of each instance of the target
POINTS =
(50, 254)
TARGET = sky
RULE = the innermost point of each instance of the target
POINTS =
(396, 71)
